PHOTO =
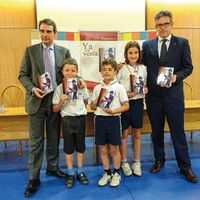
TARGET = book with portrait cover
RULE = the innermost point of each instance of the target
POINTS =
(165, 75)
(136, 84)
(105, 98)
(70, 87)
(44, 82)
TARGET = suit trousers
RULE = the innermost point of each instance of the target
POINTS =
(45, 120)
(159, 109)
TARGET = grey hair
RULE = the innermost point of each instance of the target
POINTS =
(163, 13)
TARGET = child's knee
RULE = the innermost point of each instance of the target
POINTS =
(104, 150)
(124, 136)
(114, 150)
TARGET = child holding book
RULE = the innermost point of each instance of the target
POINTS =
(73, 112)
(132, 76)
(107, 120)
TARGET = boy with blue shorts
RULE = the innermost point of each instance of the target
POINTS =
(107, 120)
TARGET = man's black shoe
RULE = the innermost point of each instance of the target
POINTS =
(58, 173)
(157, 166)
(31, 187)
(189, 175)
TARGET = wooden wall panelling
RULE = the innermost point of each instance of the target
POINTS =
(16, 19)
(13, 43)
(193, 36)
(17, 13)
(185, 14)
(186, 17)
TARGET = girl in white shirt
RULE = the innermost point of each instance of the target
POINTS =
(132, 76)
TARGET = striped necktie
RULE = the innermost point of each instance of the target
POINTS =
(49, 65)
(47, 60)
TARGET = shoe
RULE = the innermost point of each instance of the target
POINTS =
(136, 167)
(31, 187)
(189, 175)
(126, 169)
(116, 178)
(58, 173)
(105, 179)
(69, 182)
(82, 178)
(157, 166)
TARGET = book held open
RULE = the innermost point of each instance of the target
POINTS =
(44, 82)
(165, 75)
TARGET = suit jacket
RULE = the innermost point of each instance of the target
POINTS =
(178, 57)
(32, 66)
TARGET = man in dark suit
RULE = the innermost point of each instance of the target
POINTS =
(168, 102)
(39, 105)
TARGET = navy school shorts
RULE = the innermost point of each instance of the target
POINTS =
(107, 130)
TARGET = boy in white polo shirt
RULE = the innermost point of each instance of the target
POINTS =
(109, 100)
(70, 99)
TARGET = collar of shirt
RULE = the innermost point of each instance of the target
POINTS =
(111, 83)
(160, 43)
(135, 67)
(51, 47)
(168, 39)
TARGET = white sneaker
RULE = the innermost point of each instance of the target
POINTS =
(104, 179)
(116, 178)
(126, 169)
(136, 167)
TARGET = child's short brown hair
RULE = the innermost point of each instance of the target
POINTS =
(111, 62)
(70, 61)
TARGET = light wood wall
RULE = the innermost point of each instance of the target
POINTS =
(186, 17)
(16, 19)
(19, 16)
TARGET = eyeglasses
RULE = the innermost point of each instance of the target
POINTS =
(165, 25)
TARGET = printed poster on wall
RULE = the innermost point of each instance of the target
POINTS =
(94, 48)
(90, 48)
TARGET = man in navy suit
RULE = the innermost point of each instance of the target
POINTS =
(39, 105)
(163, 102)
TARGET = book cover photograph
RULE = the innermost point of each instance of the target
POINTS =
(105, 53)
(136, 84)
(70, 87)
(44, 82)
(165, 76)
(92, 52)
(105, 98)
(139, 85)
